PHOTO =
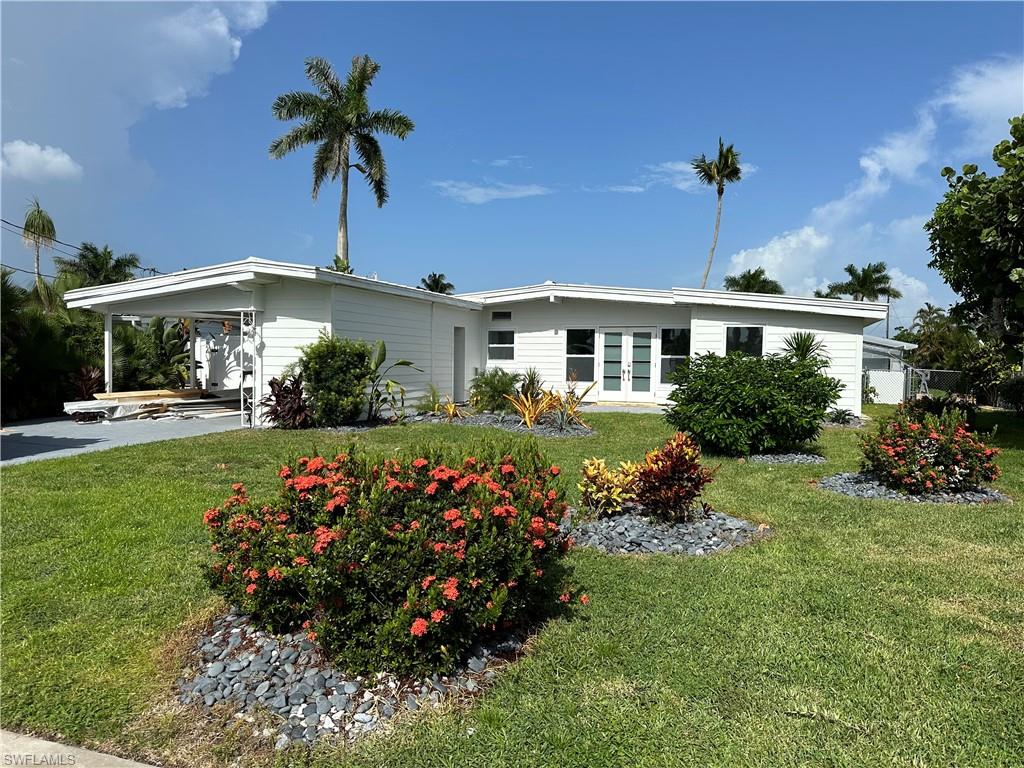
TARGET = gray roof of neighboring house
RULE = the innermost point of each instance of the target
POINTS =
(880, 345)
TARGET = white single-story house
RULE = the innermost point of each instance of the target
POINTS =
(626, 339)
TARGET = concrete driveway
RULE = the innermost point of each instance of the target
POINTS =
(51, 438)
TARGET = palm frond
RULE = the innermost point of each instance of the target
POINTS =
(296, 138)
(375, 171)
(38, 228)
(320, 72)
(296, 104)
(364, 69)
(326, 164)
(389, 121)
(707, 172)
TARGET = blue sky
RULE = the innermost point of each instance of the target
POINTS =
(551, 140)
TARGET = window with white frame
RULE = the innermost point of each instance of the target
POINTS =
(579, 354)
(748, 339)
(675, 347)
(501, 345)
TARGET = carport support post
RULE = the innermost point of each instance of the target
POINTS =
(108, 352)
(192, 353)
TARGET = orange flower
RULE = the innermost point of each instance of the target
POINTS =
(428, 581)
(437, 616)
(585, 599)
(419, 628)
(251, 588)
(555, 470)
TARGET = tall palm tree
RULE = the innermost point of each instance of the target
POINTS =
(867, 284)
(99, 267)
(38, 231)
(752, 281)
(437, 282)
(338, 120)
(724, 169)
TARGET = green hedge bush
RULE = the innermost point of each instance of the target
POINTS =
(397, 563)
(335, 374)
(738, 404)
(487, 390)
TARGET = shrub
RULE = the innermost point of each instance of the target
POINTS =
(918, 407)
(285, 406)
(670, 479)
(739, 404)
(396, 563)
(488, 389)
(1011, 392)
(605, 490)
(840, 416)
(431, 400)
(336, 372)
(531, 407)
(933, 454)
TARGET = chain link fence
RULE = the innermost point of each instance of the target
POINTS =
(892, 387)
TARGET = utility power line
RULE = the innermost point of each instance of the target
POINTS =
(20, 230)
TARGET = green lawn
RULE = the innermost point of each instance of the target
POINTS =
(862, 633)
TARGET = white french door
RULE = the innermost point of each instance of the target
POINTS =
(627, 364)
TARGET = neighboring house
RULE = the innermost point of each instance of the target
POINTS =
(625, 339)
(885, 366)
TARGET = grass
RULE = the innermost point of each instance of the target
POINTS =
(862, 633)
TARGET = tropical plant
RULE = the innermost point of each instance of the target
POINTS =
(604, 490)
(385, 392)
(489, 388)
(531, 406)
(976, 238)
(397, 563)
(95, 266)
(724, 169)
(436, 282)
(451, 411)
(753, 281)
(337, 118)
(168, 367)
(740, 404)
(38, 232)
(335, 373)
(88, 382)
(805, 345)
(928, 455)
(840, 416)
(531, 382)
(567, 408)
(941, 341)
(866, 284)
(339, 265)
(671, 478)
(430, 402)
(285, 407)
(1011, 392)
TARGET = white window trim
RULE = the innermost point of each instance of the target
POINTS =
(514, 345)
(725, 335)
(566, 355)
(661, 355)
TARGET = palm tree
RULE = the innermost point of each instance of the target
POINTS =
(752, 281)
(38, 231)
(716, 173)
(99, 267)
(867, 284)
(338, 119)
(437, 282)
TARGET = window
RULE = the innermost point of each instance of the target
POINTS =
(501, 315)
(501, 345)
(675, 347)
(747, 339)
(579, 354)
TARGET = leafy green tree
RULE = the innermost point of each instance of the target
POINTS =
(976, 238)
(97, 266)
(38, 232)
(942, 342)
(867, 284)
(337, 118)
(724, 169)
(753, 281)
(437, 282)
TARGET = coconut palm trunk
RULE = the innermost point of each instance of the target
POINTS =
(343, 209)
(714, 240)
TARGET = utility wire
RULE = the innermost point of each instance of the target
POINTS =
(27, 271)
(21, 231)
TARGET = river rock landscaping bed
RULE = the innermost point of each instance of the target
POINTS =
(251, 670)
(631, 533)
(508, 422)
(862, 485)
(786, 458)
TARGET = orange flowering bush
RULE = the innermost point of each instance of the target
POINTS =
(397, 563)
(929, 455)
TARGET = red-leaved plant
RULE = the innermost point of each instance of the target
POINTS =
(671, 478)
(398, 563)
(928, 455)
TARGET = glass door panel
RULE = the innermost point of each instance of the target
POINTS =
(641, 361)
(612, 373)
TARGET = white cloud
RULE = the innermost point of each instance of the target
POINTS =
(478, 194)
(246, 16)
(32, 162)
(515, 161)
(791, 258)
(984, 95)
(629, 189)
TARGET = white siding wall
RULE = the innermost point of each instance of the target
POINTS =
(843, 337)
(294, 314)
(414, 329)
(540, 333)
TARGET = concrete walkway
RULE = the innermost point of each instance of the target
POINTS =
(18, 749)
(51, 438)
